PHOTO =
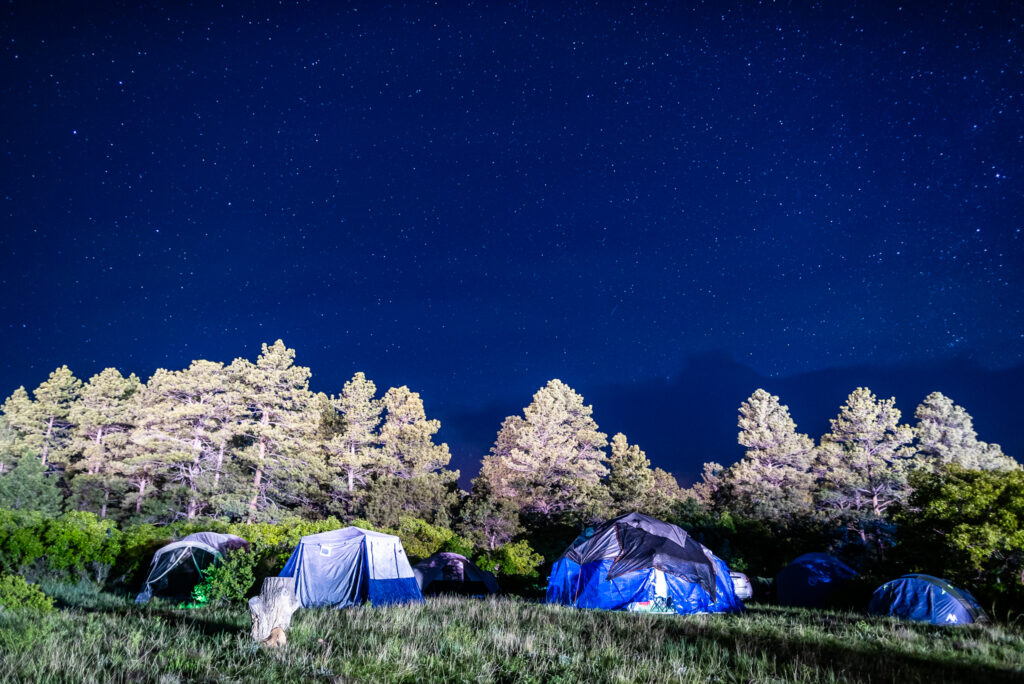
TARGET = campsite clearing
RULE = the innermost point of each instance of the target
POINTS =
(100, 637)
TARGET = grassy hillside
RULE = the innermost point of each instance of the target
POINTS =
(100, 637)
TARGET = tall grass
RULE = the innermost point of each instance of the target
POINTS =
(102, 638)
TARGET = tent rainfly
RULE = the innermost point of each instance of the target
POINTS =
(813, 580)
(924, 598)
(349, 566)
(450, 573)
(638, 563)
(179, 566)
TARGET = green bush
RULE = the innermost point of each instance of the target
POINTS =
(516, 559)
(77, 539)
(229, 580)
(17, 594)
(21, 538)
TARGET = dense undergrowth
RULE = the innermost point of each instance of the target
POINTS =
(97, 636)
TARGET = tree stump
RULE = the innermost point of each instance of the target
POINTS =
(273, 608)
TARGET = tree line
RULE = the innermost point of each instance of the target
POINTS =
(250, 442)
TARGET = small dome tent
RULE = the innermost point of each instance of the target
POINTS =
(179, 566)
(450, 573)
(813, 580)
(349, 566)
(638, 563)
(924, 598)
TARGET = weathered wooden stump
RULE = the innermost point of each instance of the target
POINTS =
(273, 608)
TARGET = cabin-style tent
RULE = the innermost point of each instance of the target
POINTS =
(924, 598)
(179, 566)
(350, 566)
(638, 563)
(450, 573)
(813, 580)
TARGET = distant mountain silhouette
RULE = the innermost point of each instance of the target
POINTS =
(691, 418)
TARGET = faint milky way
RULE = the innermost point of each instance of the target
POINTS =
(471, 199)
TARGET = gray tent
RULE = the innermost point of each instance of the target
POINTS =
(450, 573)
(179, 566)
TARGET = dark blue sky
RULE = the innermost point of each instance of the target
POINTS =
(472, 198)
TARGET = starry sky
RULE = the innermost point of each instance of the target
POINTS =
(666, 205)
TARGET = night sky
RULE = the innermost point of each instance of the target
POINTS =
(664, 206)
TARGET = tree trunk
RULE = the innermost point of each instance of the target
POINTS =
(46, 440)
(274, 607)
(106, 498)
(138, 501)
(264, 421)
(220, 463)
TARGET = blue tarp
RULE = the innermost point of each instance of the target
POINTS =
(665, 579)
(813, 580)
(351, 566)
(926, 599)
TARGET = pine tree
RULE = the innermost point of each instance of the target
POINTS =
(709, 490)
(353, 450)
(552, 459)
(43, 422)
(774, 481)
(945, 435)
(186, 420)
(407, 437)
(102, 419)
(864, 462)
(280, 425)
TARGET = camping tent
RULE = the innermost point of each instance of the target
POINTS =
(635, 562)
(813, 580)
(926, 599)
(450, 573)
(349, 566)
(179, 566)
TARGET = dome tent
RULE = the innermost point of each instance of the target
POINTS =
(924, 598)
(179, 566)
(450, 573)
(813, 580)
(350, 566)
(635, 562)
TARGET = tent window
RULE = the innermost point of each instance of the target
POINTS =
(325, 550)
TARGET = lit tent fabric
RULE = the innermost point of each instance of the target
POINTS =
(351, 566)
(924, 598)
(634, 561)
(450, 573)
(179, 566)
(813, 580)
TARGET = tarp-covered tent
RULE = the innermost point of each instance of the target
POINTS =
(179, 566)
(926, 599)
(813, 580)
(351, 566)
(635, 562)
(450, 573)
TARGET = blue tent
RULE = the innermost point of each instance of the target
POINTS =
(350, 566)
(926, 599)
(813, 580)
(639, 563)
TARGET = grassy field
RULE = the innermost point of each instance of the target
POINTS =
(98, 637)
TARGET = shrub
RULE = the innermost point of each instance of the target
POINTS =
(229, 580)
(21, 540)
(77, 539)
(516, 559)
(17, 594)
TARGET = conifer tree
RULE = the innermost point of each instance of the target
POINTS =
(185, 421)
(552, 459)
(407, 437)
(44, 422)
(634, 486)
(864, 462)
(102, 419)
(945, 435)
(280, 425)
(774, 481)
(353, 450)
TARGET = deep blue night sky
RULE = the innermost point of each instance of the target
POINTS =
(664, 206)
